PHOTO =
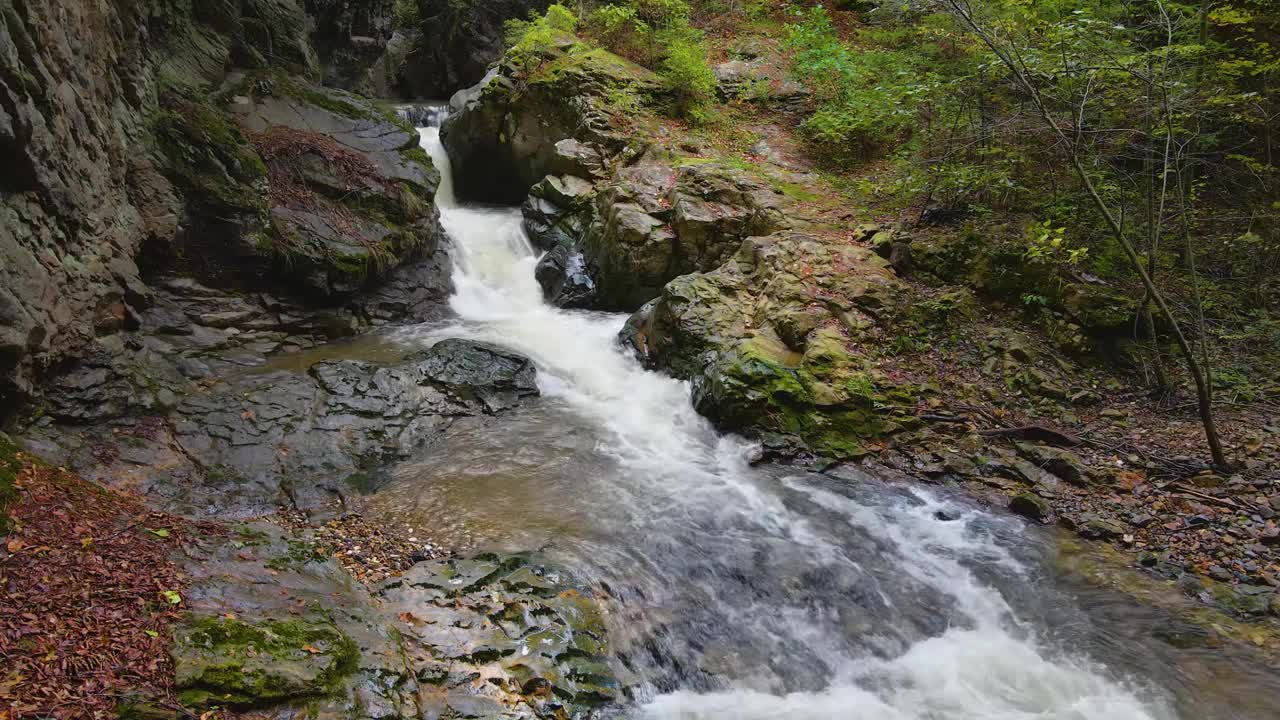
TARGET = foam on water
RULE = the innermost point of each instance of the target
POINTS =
(987, 664)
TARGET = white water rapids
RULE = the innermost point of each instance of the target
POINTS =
(978, 660)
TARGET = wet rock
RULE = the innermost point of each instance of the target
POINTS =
(540, 640)
(502, 139)
(498, 378)
(565, 282)
(1030, 505)
(763, 354)
(293, 437)
(277, 627)
(557, 212)
(225, 661)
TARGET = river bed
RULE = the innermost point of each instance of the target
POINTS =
(740, 591)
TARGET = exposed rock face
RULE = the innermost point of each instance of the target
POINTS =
(76, 197)
(275, 628)
(771, 341)
(749, 79)
(614, 245)
(457, 42)
(353, 39)
(542, 642)
(289, 433)
(502, 138)
(656, 223)
(352, 193)
(115, 143)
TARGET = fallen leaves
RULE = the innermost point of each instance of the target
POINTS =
(85, 585)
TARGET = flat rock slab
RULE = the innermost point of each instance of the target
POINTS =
(274, 627)
(278, 436)
(507, 629)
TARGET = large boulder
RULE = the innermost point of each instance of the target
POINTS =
(647, 225)
(502, 136)
(774, 342)
(351, 192)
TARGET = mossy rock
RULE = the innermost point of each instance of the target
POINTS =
(206, 153)
(824, 396)
(1100, 310)
(220, 661)
(771, 343)
(503, 140)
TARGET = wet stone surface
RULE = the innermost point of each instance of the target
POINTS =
(273, 436)
(272, 625)
(494, 633)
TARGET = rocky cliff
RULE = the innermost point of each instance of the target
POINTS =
(147, 136)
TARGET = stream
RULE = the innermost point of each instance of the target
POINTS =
(752, 592)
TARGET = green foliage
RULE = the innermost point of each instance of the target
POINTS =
(688, 76)
(869, 98)
(1046, 245)
(407, 13)
(530, 41)
(658, 35)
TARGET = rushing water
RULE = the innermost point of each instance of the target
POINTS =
(757, 592)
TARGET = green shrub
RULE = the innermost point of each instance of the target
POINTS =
(689, 77)
(529, 41)
(407, 13)
(561, 18)
(868, 97)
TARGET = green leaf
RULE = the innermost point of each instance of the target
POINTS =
(162, 532)
(152, 633)
(172, 596)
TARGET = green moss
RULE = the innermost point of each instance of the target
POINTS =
(206, 152)
(418, 155)
(797, 192)
(827, 398)
(9, 467)
(579, 61)
(249, 536)
(297, 556)
(224, 661)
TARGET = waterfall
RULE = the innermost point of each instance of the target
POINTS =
(833, 602)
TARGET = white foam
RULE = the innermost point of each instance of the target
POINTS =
(986, 666)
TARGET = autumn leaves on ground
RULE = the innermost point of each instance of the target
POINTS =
(90, 587)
